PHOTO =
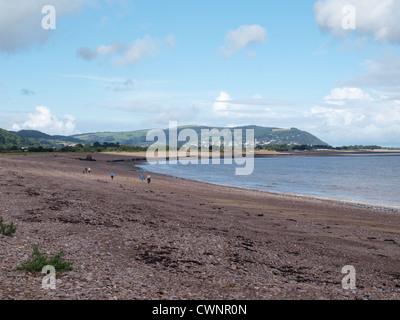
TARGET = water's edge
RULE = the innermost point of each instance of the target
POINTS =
(360, 204)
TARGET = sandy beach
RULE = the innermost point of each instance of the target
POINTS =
(178, 239)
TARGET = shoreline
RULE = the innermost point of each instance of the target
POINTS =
(327, 153)
(355, 203)
(273, 154)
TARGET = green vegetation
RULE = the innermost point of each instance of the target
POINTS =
(364, 148)
(38, 141)
(7, 229)
(98, 147)
(40, 260)
(272, 139)
(262, 135)
(11, 141)
(40, 138)
(293, 147)
(130, 138)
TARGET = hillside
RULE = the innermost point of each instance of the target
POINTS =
(128, 138)
(263, 135)
(9, 140)
(47, 140)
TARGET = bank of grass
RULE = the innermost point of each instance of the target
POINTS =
(10, 153)
(40, 260)
(127, 153)
(22, 153)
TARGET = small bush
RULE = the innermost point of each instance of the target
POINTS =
(7, 229)
(40, 260)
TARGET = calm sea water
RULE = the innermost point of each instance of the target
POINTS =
(371, 179)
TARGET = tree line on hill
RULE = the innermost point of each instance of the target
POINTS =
(87, 147)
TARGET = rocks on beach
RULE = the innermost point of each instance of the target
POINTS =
(184, 240)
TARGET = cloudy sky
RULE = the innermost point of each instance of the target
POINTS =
(119, 65)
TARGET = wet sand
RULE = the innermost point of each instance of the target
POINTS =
(178, 239)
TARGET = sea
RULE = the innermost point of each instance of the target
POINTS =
(355, 178)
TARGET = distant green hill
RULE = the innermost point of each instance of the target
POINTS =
(47, 140)
(262, 135)
(9, 141)
(136, 138)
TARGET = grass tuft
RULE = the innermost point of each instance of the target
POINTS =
(7, 229)
(40, 260)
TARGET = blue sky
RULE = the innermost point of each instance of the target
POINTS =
(116, 65)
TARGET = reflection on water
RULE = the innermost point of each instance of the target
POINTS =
(362, 178)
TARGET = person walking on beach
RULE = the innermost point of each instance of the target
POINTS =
(142, 177)
(89, 170)
(112, 176)
(148, 179)
(86, 170)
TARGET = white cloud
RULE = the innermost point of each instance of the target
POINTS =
(20, 23)
(252, 109)
(128, 53)
(388, 115)
(111, 49)
(340, 96)
(139, 49)
(382, 71)
(222, 102)
(241, 38)
(44, 120)
(352, 116)
(335, 117)
(347, 115)
(102, 50)
(377, 19)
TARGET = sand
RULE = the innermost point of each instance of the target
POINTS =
(178, 239)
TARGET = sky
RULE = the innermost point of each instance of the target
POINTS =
(329, 67)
